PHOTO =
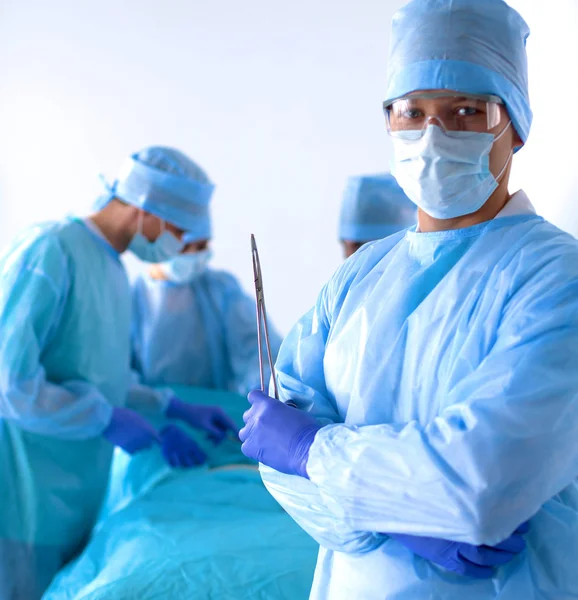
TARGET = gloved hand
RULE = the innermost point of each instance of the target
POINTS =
(278, 435)
(131, 432)
(212, 419)
(179, 450)
(465, 559)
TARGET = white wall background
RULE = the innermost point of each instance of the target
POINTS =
(278, 101)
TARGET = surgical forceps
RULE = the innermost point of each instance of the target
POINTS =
(262, 324)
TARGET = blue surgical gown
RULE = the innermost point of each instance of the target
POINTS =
(64, 363)
(444, 367)
(201, 333)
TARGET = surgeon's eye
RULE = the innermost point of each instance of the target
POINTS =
(411, 113)
(468, 111)
(404, 110)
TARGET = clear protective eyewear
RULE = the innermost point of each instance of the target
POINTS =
(454, 112)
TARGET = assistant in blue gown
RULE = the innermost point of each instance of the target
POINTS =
(65, 314)
(373, 207)
(194, 325)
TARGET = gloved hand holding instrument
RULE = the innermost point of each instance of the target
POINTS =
(276, 433)
(280, 436)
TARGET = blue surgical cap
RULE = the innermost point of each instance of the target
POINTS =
(168, 184)
(374, 206)
(196, 236)
(470, 46)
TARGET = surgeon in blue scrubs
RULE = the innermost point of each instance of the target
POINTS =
(433, 453)
(194, 324)
(65, 377)
(373, 207)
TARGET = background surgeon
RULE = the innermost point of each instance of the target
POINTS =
(373, 207)
(192, 324)
(65, 369)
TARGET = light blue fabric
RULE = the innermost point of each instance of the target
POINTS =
(444, 365)
(168, 184)
(446, 176)
(202, 333)
(188, 535)
(470, 46)
(196, 236)
(165, 247)
(64, 362)
(187, 266)
(373, 207)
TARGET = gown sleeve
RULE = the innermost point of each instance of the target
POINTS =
(32, 300)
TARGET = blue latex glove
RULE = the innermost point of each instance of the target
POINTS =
(465, 559)
(179, 450)
(278, 435)
(211, 419)
(131, 432)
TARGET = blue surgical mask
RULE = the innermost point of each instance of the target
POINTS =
(447, 176)
(186, 267)
(165, 247)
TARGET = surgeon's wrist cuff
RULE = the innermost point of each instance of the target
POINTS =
(300, 451)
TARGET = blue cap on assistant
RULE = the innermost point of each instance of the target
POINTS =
(374, 206)
(166, 183)
(470, 46)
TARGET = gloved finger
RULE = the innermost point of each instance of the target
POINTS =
(213, 430)
(198, 455)
(468, 569)
(245, 433)
(164, 453)
(179, 459)
(168, 432)
(188, 460)
(250, 452)
(248, 414)
(523, 529)
(172, 460)
(257, 396)
(514, 544)
(217, 439)
(485, 556)
(225, 423)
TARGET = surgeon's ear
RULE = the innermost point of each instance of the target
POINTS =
(516, 140)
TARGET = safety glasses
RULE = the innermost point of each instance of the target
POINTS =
(454, 113)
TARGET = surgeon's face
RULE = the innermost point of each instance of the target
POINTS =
(454, 113)
(350, 247)
(194, 247)
(153, 226)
